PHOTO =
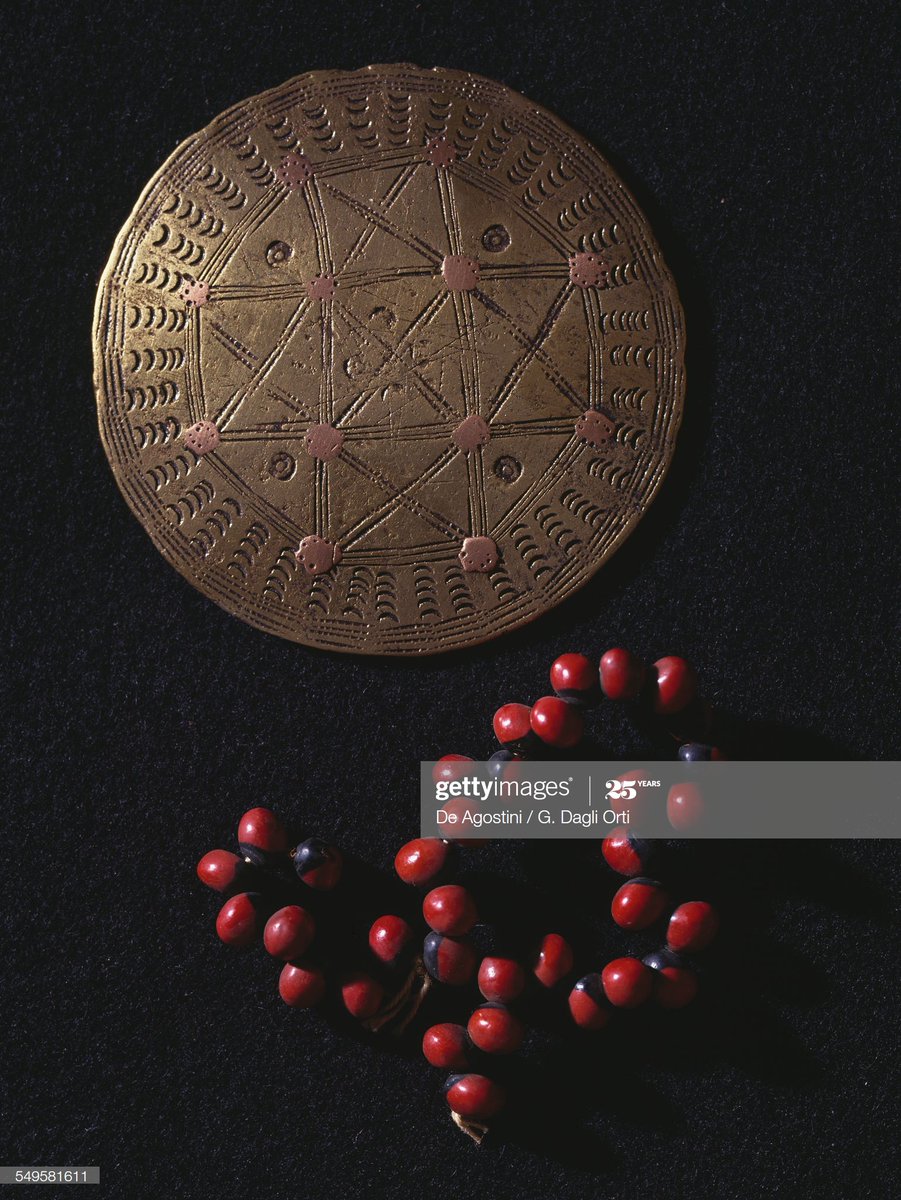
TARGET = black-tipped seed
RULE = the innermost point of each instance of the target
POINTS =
(700, 752)
(474, 1097)
(318, 864)
(658, 959)
(575, 679)
(500, 764)
(448, 960)
(262, 838)
(627, 855)
(675, 983)
(588, 1004)
(639, 903)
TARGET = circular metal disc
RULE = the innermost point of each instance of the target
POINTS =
(388, 361)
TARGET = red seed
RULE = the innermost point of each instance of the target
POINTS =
(554, 961)
(625, 854)
(421, 860)
(674, 987)
(588, 1005)
(389, 937)
(501, 979)
(449, 960)
(318, 865)
(675, 685)
(458, 807)
(684, 805)
(446, 1046)
(639, 903)
(362, 996)
(636, 805)
(495, 1030)
(289, 932)
(450, 909)
(238, 923)
(450, 767)
(511, 724)
(301, 987)
(627, 982)
(261, 829)
(475, 1097)
(692, 927)
(574, 678)
(557, 723)
(622, 675)
(218, 869)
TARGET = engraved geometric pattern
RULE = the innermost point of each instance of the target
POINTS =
(388, 361)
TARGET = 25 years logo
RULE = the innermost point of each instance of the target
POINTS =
(620, 789)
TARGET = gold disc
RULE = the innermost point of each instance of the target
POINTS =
(388, 361)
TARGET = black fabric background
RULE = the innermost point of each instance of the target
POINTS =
(141, 720)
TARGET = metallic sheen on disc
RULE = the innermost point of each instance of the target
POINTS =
(388, 361)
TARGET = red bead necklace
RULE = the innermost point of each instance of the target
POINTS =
(268, 870)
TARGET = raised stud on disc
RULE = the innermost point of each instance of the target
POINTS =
(317, 555)
(195, 293)
(479, 554)
(322, 287)
(323, 442)
(295, 170)
(587, 270)
(460, 272)
(441, 152)
(202, 437)
(472, 433)
(595, 427)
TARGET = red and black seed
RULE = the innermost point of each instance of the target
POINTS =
(262, 838)
(448, 960)
(588, 1004)
(318, 864)
(554, 960)
(639, 903)
(474, 1097)
(513, 728)
(627, 855)
(574, 678)
(226, 872)
(627, 982)
(450, 767)
(493, 1029)
(675, 983)
(700, 752)
(500, 764)
(692, 927)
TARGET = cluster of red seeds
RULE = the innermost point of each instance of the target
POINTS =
(287, 931)
(669, 689)
(494, 1026)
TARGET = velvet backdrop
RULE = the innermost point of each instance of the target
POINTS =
(141, 720)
